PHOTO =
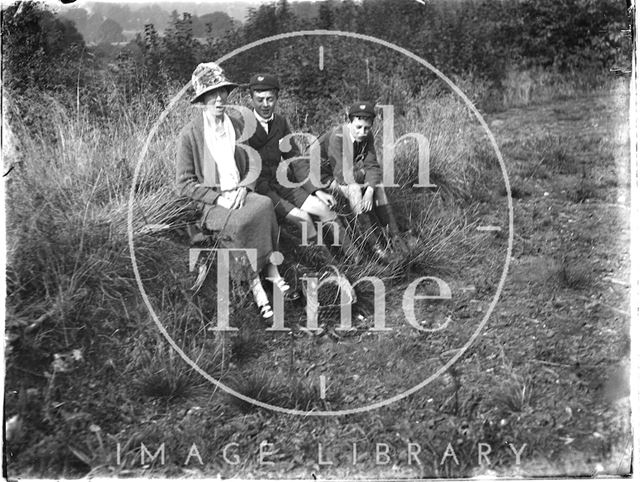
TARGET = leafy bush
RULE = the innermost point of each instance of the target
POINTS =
(38, 49)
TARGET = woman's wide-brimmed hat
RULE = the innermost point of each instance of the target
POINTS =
(207, 77)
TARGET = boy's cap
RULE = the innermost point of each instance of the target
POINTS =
(264, 82)
(365, 109)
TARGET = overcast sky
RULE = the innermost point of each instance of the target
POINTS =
(203, 2)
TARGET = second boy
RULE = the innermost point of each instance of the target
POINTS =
(351, 167)
(297, 204)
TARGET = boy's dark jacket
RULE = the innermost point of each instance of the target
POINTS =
(366, 169)
(268, 146)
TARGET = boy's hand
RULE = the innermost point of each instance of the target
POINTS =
(367, 200)
(326, 198)
(354, 193)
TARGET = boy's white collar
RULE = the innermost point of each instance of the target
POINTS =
(262, 119)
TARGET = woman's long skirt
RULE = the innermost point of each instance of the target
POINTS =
(253, 226)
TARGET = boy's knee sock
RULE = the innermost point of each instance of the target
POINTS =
(343, 236)
(367, 224)
(387, 218)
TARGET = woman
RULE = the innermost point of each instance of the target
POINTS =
(213, 171)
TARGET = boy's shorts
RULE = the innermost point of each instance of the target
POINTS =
(287, 198)
(379, 195)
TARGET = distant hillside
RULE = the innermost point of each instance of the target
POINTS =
(113, 22)
(130, 14)
(235, 9)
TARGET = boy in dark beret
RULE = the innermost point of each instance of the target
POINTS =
(350, 167)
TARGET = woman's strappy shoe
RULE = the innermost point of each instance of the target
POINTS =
(262, 300)
(282, 285)
(266, 312)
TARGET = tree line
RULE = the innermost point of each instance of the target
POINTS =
(476, 39)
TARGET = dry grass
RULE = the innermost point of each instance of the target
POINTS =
(449, 128)
(71, 286)
(537, 85)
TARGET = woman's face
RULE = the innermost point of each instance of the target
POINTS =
(215, 100)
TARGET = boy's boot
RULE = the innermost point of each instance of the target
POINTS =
(388, 219)
(348, 247)
(367, 225)
(344, 240)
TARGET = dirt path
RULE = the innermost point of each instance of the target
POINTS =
(569, 282)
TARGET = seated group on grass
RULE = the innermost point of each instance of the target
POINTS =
(244, 207)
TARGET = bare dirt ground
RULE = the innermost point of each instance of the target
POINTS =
(568, 287)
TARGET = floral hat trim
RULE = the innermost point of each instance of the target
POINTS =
(207, 77)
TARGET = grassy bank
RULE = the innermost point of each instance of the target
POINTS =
(90, 377)
(71, 288)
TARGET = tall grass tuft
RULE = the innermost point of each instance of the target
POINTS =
(452, 135)
(67, 198)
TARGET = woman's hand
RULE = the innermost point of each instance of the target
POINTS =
(223, 201)
(240, 196)
(354, 194)
(233, 199)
